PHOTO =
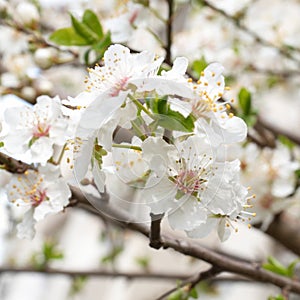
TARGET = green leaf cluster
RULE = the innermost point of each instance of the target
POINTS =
(286, 142)
(182, 294)
(48, 253)
(143, 262)
(78, 284)
(273, 265)
(112, 255)
(85, 32)
(167, 118)
(246, 109)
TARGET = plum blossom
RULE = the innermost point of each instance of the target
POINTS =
(122, 26)
(34, 131)
(109, 85)
(200, 99)
(40, 193)
(191, 187)
(271, 175)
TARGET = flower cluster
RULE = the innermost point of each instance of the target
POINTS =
(37, 135)
(160, 133)
(273, 182)
(166, 136)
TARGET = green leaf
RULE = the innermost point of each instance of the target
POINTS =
(78, 284)
(291, 267)
(67, 37)
(193, 293)
(199, 65)
(250, 119)
(286, 142)
(1, 144)
(245, 101)
(112, 255)
(278, 297)
(50, 252)
(84, 31)
(143, 262)
(102, 45)
(178, 295)
(168, 118)
(91, 20)
(176, 121)
(275, 266)
(99, 48)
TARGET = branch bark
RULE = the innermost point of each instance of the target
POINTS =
(97, 273)
(188, 247)
(194, 249)
(193, 281)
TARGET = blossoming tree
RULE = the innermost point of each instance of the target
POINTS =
(155, 141)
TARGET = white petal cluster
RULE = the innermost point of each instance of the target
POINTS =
(271, 175)
(38, 193)
(32, 133)
(163, 135)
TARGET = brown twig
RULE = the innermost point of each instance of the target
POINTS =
(169, 33)
(186, 246)
(154, 236)
(192, 281)
(97, 273)
(278, 131)
(237, 21)
(194, 249)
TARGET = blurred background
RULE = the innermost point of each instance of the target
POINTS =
(258, 43)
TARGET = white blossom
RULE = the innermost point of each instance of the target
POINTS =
(39, 192)
(33, 131)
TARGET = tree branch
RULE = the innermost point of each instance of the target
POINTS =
(194, 249)
(278, 131)
(169, 32)
(154, 236)
(193, 281)
(185, 246)
(97, 273)
(237, 21)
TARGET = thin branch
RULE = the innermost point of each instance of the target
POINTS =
(97, 273)
(286, 231)
(278, 131)
(36, 37)
(169, 33)
(12, 165)
(154, 236)
(194, 249)
(192, 281)
(237, 21)
(188, 247)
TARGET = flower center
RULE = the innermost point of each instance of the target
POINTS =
(119, 86)
(38, 197)
(188, 181)
(41, 130)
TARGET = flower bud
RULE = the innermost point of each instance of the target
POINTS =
(28, 93)
(44, 57)
(44, 86)
(27, 13)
